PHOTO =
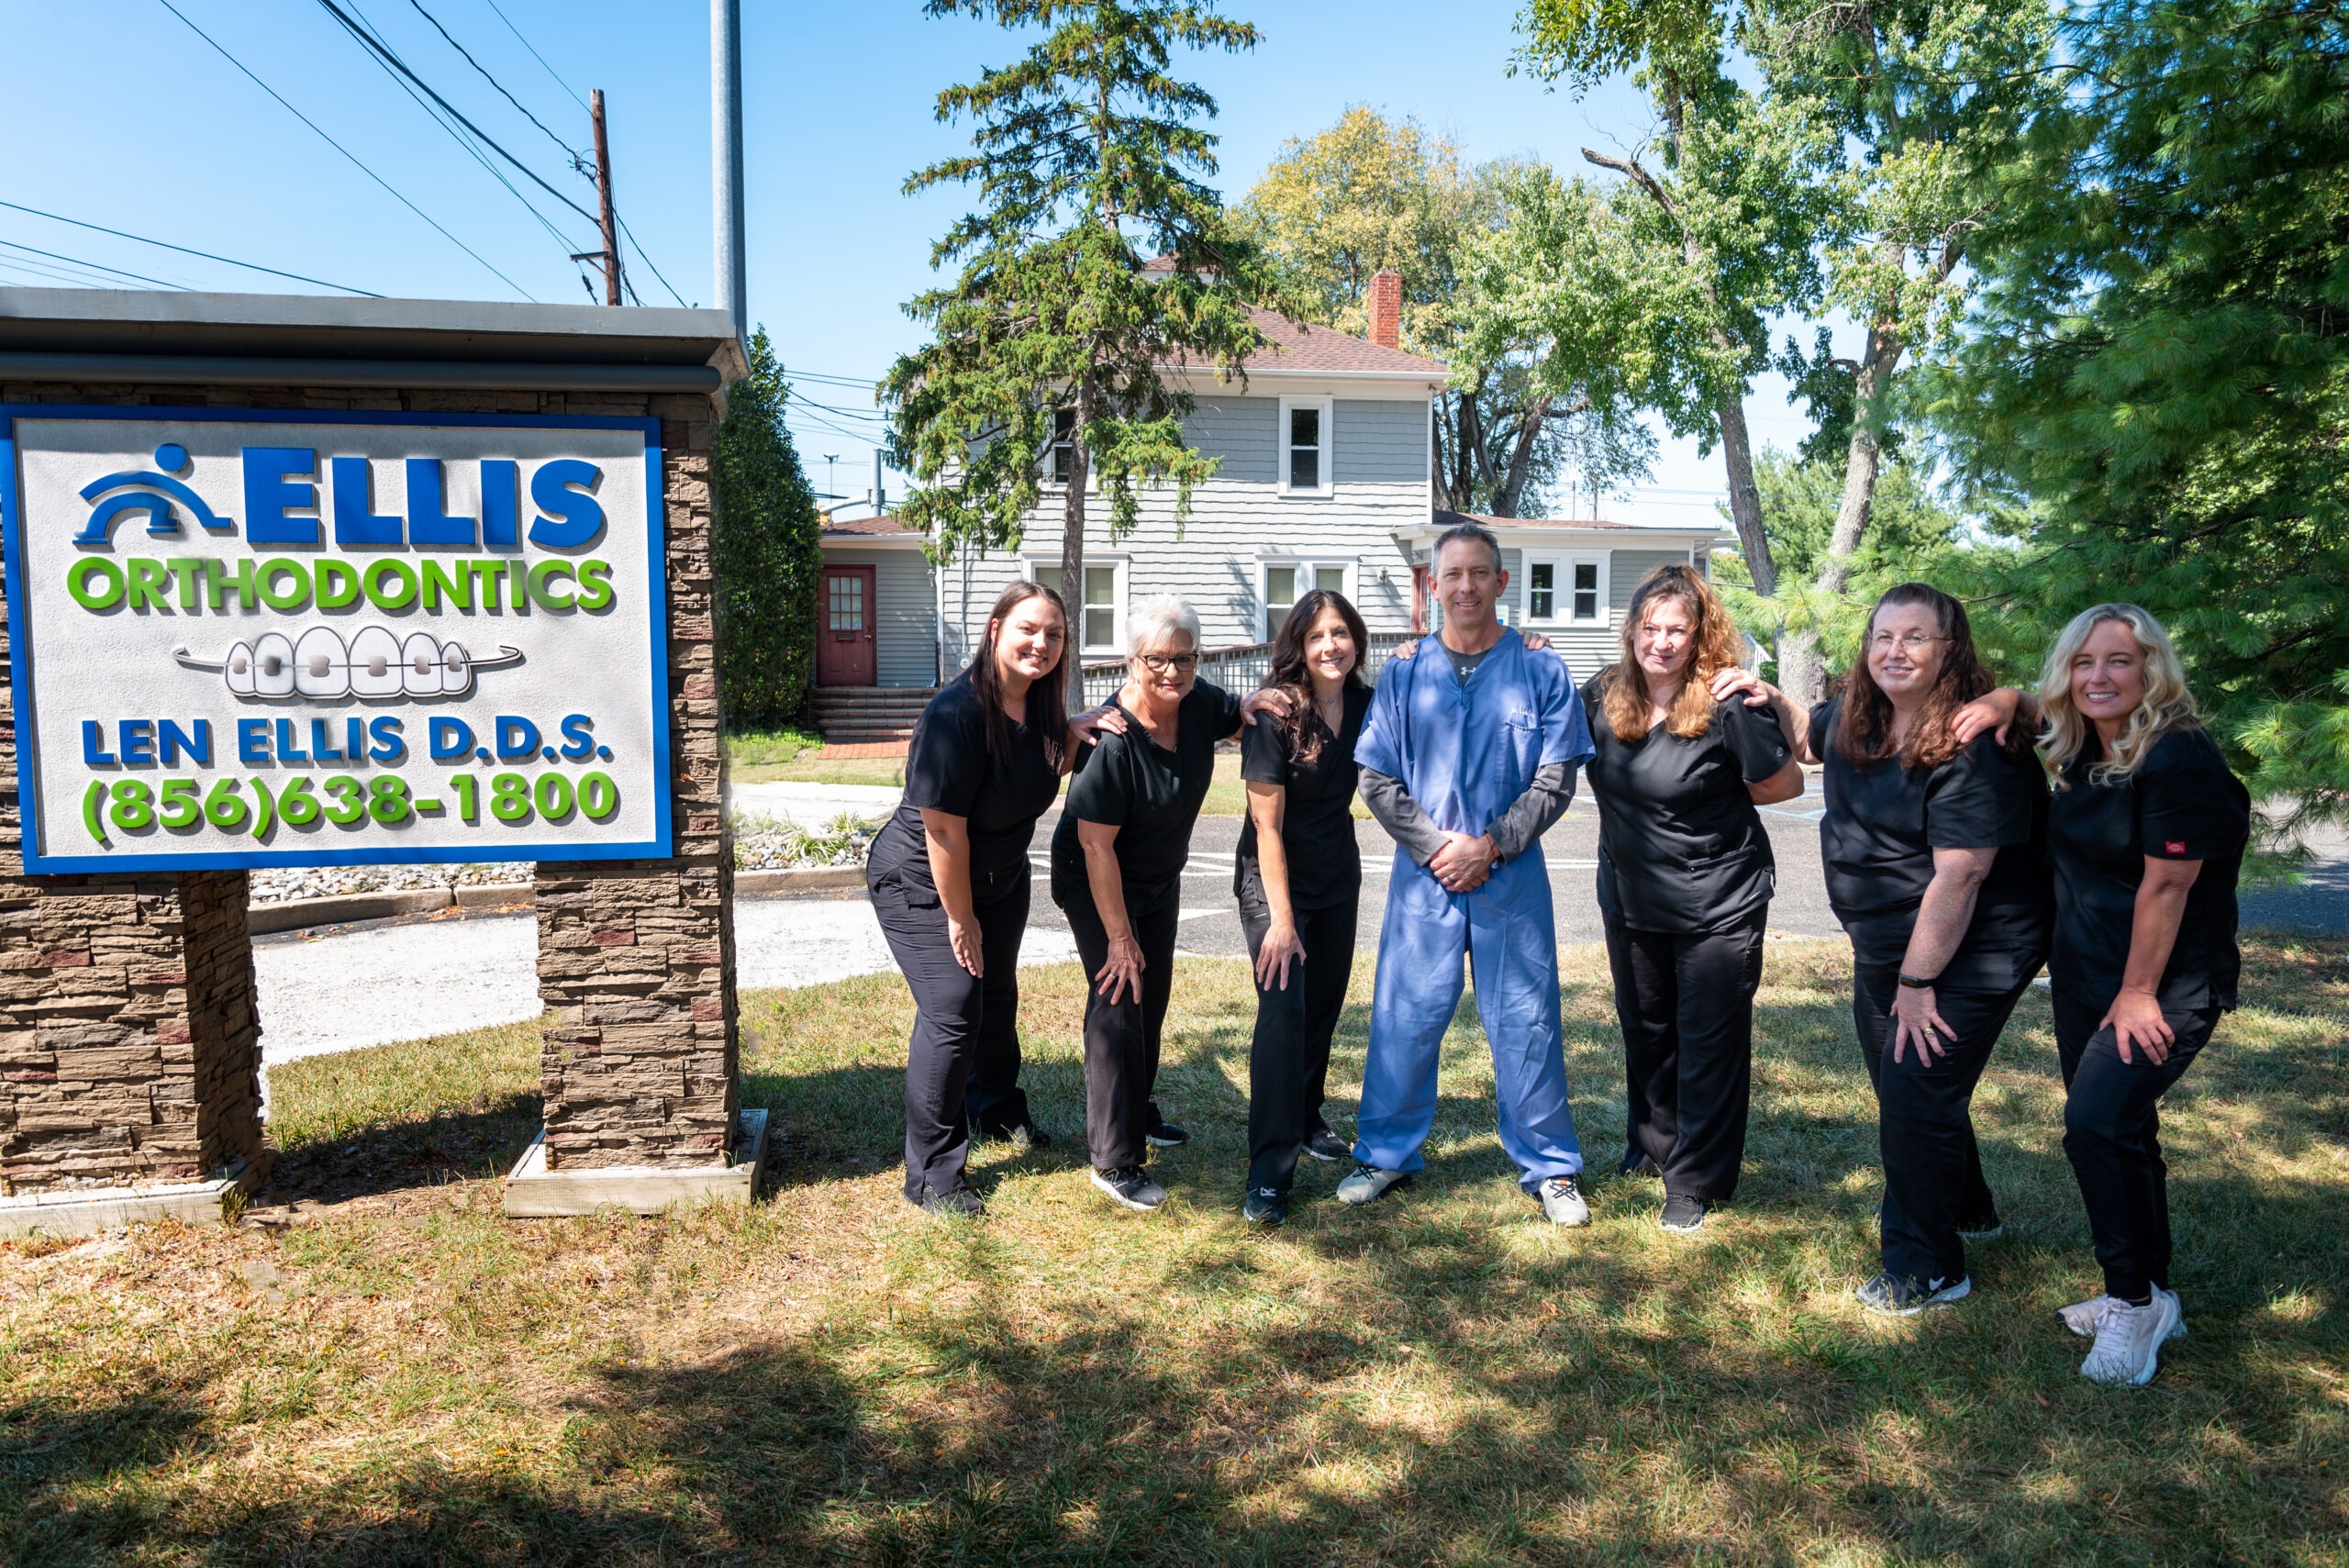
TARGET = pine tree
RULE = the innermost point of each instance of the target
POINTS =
(2161, 368)
(1088, 161)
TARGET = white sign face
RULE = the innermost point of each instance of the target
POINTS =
(242, 637)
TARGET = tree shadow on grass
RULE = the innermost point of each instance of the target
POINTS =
(393, 1157)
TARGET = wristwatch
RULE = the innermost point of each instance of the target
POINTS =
(1913, 984)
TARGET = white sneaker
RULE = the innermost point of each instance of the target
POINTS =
(2084, 1318)
(1563, 1203)
(2128, 1341)
(1369, 1184)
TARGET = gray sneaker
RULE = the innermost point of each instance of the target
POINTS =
(1369, 1184)
(1129, 1186)
(2130, 1339)
(2085, 1317)
(1562, 1202)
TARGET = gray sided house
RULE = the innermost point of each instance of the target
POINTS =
(1326, 481)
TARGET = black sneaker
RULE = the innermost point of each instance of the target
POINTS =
(1129, 1186)
(1166, 1135)
(1265, 1206)
(1325, 1145)
(1906, 1298)
(960, 1201)
(1023, 1138)
(1681, 1212)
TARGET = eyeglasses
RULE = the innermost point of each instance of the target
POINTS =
(1159, 663)
(1908, 642)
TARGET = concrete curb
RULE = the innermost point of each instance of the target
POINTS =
(343, 908)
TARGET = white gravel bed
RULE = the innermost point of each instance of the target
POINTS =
(277, 886)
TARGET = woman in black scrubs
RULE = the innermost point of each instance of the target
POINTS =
(1685, 879)
(1118, 858)
(949, 879)
(1298, 875)
(2146, 830)
(1935, 862)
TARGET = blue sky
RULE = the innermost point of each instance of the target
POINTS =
(117, 112)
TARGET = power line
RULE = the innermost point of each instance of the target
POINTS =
(378, 48)
(339, 147)
(184, 251)
(647, 259)
(569, 151)
(536, 56)
(397, 63)
(94, 266)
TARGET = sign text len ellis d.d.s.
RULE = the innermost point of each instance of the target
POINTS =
(250, 638)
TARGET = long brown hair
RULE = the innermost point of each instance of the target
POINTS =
(1864, 729)
(1047, 702)
(1303, 723)
(1712, 648)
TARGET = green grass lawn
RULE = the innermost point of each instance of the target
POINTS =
(404, 1376)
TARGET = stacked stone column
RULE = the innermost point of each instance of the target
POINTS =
(634, 956)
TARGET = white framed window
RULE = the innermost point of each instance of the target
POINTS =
(1565, 590)
(1305, 447)
(1063, 445)
(1101, 618)
(1281, 583)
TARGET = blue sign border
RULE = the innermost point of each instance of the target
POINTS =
(39, 863)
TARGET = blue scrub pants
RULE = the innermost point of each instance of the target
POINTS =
(1505, 930)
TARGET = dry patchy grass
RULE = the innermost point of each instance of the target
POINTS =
(408, 1377)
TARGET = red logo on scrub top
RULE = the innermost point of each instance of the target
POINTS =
(2175, 846)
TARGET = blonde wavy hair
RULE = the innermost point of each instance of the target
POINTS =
(1712, 648)
(2168, 705)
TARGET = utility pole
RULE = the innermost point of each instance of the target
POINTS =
(604, 198)
(725, 146)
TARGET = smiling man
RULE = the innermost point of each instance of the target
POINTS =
(1468, 756)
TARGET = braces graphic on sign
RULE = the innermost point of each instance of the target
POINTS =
(377, 664)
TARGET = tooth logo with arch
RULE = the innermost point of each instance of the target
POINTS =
(377, 664)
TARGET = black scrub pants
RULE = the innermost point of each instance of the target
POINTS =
(1121, 1037)
(2112, 1136)
(1685, 1003)
(1932, 1169)
(963, 1066)
(1288, 1060)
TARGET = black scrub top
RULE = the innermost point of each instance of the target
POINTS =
(2182, 803)
(1151, 794)
(1680, 846)
(950, 769)
(1317, 818)
(1882, 826)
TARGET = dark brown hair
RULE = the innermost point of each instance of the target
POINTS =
(1047, 703)
(1303, 723)
(1863, 728)
(1712, 648)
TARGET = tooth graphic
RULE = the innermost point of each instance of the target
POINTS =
(272, 665)
(421, 667)
(456, 670)
(239, 668)
(321, 666)
(375, 663)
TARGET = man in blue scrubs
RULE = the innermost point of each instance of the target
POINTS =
(1468, 756)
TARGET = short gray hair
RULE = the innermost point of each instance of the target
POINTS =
(1154, 620)
(1466, 533)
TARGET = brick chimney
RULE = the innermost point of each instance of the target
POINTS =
(1386, 308)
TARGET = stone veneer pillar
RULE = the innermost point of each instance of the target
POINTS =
(130, 1051)
(636, 958)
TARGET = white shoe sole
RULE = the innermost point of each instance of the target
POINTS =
(1374, 1194)
(1120, 1199)
(1312, 1154)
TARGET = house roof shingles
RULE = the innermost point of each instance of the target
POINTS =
(868, 526)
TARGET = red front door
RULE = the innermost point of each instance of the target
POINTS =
(845, 653)
(1420, 599)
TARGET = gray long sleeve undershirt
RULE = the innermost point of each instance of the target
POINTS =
(1528, 817)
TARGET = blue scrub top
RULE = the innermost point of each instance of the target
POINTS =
(1467, 749)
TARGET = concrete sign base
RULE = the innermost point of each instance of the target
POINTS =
(533, 1191)
(87, 1211)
